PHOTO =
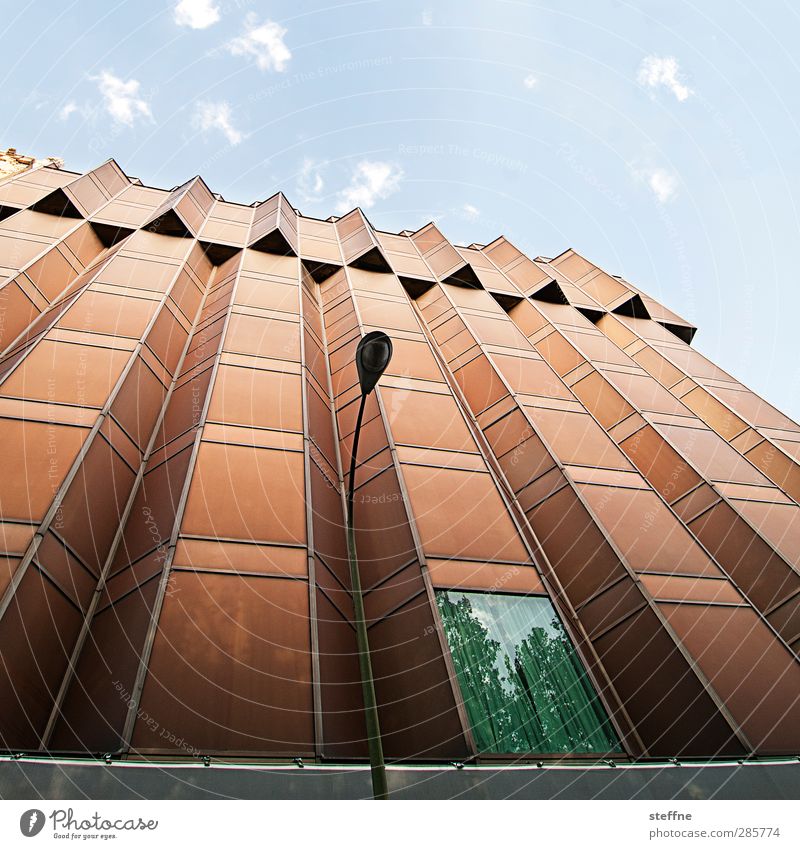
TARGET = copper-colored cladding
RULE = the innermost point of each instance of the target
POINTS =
(177, 404)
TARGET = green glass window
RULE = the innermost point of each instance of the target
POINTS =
(523, 685)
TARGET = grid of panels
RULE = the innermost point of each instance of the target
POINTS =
(177, 406)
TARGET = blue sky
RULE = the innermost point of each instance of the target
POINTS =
(660, 139)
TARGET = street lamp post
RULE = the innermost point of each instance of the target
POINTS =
(372, 356)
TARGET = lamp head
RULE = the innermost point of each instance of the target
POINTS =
(372, 356)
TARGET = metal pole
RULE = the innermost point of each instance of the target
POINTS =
(377, 765)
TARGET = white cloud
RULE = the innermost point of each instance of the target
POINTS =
(216, 116)
(370, 182)
(530, 81)
(121, 98)
(36, 98)
(662, 183)
(263, 42)
(658, 71)
(67, 109)
(197, 14)
(471, 212)
(309, 182)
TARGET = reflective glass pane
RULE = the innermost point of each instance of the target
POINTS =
(523, 685)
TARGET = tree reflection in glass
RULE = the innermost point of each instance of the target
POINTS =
(523, 685)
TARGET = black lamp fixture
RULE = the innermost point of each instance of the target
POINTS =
(372, 357)
(373, 353)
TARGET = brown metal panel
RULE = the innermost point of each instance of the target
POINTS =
(602, 400)
(755, 567)
(269, 265)
(668, 706)
(167, 339)
(16, 253)
(18, 310)
(335, 588)
(604, 289)
(138, 403)
(263, 294)
(257, 398)
(15, 536)
(8, 566)
(779, 524)
(343, 709)
(712, 455)
(52, 274)
(646, 532)
(696, 501)
(246, 493)
(488, 330)
(419, 418)
(102, 312)
(239, 557)
(61, 372)
(510, 432)
(126, 580)
(753, 408)
(658, 461)
(389, 315)
(473, 575)
(29, 478)
(577, 438)
(138, 272)
(185, 407)
(320, 426)
(611, 606)
(785, 619)
(671, 588)
(413, 357)
(559, 353)
(461, 514)
(531, 377)
(580, 554)
(784, 470)
(271, 338)
(573, 265)
(383, 539)
(480, 384)
(328, 524)
(186, 293)
(541, 486)
(66, 571)
(392, 593)
(27, 188)
(646, 394)
(37, 634)
(93, 505)
(94, 710)
(436, 459)
(659, 367)
(86, 194)
(758, 678)
(230, 668)
(149, 523)
(418, 715)
(274, 226)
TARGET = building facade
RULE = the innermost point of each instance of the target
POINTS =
(578, 538)
(13, 163)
